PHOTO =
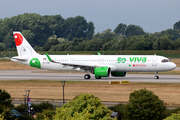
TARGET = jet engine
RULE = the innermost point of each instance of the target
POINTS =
(118, 74)
(102, 71)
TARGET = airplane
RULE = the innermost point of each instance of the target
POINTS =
(99, 65)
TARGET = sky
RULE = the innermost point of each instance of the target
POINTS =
(151, 15)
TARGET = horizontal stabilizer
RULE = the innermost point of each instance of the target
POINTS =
(18, 58)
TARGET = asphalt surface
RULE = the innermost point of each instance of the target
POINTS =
(68, 76)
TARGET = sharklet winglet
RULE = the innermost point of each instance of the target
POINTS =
(49, 58)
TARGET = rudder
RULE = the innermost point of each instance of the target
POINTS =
(24, 49)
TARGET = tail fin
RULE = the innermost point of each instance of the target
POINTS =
(24, 49)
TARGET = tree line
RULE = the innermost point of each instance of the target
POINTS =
(142, 105)
(54, 33)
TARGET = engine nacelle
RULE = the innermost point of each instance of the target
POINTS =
(102, 71)
(118, 74)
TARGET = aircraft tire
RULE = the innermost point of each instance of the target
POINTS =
(87, 76)
(156, 77)
(98, 77)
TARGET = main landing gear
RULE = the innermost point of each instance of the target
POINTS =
(156, 76)
(98, 77)
(87, 76)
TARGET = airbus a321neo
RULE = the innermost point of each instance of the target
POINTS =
(99, 65)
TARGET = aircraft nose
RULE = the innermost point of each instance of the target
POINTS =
(173, 66)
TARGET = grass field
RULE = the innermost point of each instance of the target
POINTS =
(41, 89)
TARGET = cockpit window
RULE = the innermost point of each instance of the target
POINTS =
(165, 60)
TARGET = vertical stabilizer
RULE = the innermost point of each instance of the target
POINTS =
(24, 49)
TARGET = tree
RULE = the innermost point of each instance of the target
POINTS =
(177, 44)
(144, 105)
(177, 26)
(29, 36)
(94, 45)
(174, 116)
(75, 43)
(174, 34)
(2, 46)
(105, 34)
(51, 41)
(141, 42)
(163, 43)
(83, 107)
(109, 45)
(78, 27)
(5, 105)
(132, 30)
(5, 98)
(120, 29)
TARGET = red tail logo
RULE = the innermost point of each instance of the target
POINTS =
(18, 39)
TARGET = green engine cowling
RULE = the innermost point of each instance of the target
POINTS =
(118, 74)
(102, 71)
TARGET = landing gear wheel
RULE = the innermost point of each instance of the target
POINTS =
(87, 76)
(98, 77)
(156, 77)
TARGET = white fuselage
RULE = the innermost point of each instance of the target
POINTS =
(127, 63)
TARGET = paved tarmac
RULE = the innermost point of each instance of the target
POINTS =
(68, 76)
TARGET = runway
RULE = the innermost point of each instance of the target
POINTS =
(67, 76)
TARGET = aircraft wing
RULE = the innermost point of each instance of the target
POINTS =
(82, 66)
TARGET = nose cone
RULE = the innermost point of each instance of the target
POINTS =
(172, 66)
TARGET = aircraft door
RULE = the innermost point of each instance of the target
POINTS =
(154, 61)
(72, 60)
(101, 61)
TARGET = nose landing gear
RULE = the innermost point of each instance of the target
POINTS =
(156, 76)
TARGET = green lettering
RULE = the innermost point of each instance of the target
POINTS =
(139, 59)
(131, 59)
(123, 60)
(144, 59)
(119, 60)
(135, 59)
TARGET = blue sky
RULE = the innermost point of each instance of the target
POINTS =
(151, 15)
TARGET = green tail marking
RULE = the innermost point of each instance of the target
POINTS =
(35, 63)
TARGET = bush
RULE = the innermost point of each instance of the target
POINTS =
(83, 107)
(118, 108)
(144, 105)
(173, 117)
(5, 98)
(45, 114)
(39, 107)
(168, 112)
